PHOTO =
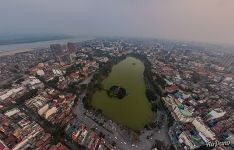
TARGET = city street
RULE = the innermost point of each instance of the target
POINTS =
(117, 135)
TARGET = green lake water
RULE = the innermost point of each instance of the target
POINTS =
(134, 110)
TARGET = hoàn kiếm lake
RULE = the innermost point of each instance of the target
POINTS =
(134, 110)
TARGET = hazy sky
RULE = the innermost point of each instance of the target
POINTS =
(198, 20)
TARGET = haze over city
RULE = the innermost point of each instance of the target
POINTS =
(117, 75)
(197, 20)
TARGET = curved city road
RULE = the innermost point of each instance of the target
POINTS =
(116, 136)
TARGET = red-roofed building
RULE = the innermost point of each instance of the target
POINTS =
(3, 146)
(172, 89)
(53, 147)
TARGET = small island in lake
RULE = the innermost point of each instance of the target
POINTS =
(117, 91)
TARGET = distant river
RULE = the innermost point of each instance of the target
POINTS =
(42, 44)
(134, 110)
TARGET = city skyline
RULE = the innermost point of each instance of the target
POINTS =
(117, 94)
(117, 75)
